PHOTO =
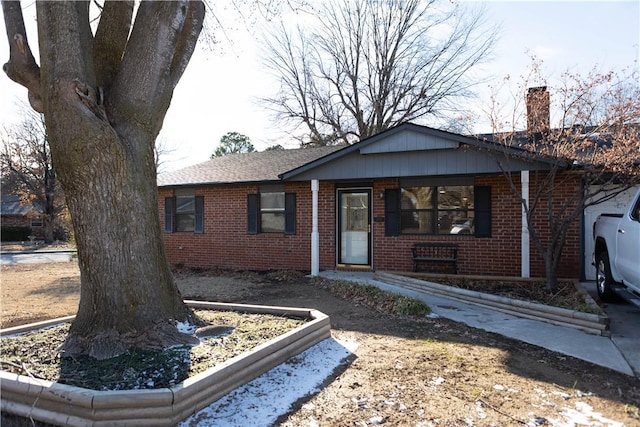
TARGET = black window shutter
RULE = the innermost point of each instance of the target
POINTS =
(482, 205)
(169, 212)
(253, 205)
(290, 213)
(392, 212)
(199, 225)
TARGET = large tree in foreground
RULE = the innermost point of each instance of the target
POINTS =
(587, 130)
(104, 97)
(358, 67)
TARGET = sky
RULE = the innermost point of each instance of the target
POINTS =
(219, 91)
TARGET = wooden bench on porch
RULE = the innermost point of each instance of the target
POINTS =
(439, 257)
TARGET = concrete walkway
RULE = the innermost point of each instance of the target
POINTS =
(620, 352)
(36, 256)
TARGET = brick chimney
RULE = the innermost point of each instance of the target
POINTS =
(538, 114)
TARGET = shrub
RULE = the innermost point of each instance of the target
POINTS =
(15, 234)
(378, 299)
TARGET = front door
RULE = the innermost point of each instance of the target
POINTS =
(354, 227)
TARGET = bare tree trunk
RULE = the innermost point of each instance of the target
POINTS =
(47, 228)
(129, 298)
(551, 272)
(104, 99)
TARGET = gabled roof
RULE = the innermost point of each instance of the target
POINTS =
(263, 166)
(11, 206)
(407, 150)
(415, 150)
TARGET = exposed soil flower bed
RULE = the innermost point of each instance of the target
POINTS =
(568, 296)
(35, 354)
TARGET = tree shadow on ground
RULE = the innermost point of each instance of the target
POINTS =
(63, 287)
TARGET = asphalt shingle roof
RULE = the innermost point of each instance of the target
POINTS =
(11, 206)
(243, 168)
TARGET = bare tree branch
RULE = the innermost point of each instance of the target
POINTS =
(111, 40)
(368, 66)
(21, 67)
(593, 147)
(146, 96)
(187, 41)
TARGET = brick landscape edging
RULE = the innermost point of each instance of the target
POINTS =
(66, 405)
(591, 323)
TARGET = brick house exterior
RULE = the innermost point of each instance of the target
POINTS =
(15, 214)
(219, 199)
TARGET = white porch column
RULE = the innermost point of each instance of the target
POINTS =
(526, 256)
(315, 238)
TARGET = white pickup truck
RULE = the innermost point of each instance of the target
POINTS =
(617, 253)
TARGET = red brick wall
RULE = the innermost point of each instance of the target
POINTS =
(498, 255)
(21, 221)
(225, 242)
(15, 221)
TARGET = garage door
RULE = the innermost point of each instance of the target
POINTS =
(616, 205)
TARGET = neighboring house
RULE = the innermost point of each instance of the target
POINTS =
(361, 206)
(17, 215)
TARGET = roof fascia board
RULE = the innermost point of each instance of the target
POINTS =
(220, 184)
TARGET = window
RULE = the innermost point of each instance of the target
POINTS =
(271, 212)
(36, 222)
(184, 212)
(635, 212)
(438, 210)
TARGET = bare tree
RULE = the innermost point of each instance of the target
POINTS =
(591, 144)
(104, 97)
(364, 66)
(161, 151)
(26, 157)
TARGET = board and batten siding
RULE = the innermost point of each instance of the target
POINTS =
(408, 164)
(409, 141)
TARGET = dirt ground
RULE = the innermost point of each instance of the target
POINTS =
(406, 371)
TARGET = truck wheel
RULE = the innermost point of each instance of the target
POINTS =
(604, 281)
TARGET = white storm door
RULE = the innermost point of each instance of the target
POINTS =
(354, 227)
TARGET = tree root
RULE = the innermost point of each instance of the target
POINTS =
(111, 343)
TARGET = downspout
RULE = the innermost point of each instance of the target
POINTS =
(315, 238)
(525, 251)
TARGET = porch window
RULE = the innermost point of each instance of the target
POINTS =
(438, 210)
(184, 212)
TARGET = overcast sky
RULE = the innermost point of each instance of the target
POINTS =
(217, 93)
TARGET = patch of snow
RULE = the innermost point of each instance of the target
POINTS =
(583, 414)
(436, 381)
(377, 420)
(261, 401)
(186, 327)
